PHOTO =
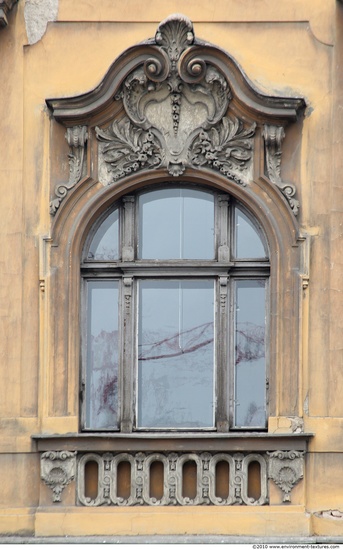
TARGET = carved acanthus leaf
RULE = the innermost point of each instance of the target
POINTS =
(129, 148)
(273, 137)
(227, 147)
(76, 138)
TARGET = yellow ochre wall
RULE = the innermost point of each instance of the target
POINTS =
(286, 48)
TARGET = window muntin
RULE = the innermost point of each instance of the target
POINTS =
(226, 387)
(176, 354)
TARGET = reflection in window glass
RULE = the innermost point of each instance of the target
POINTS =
(250, 355)
(176, 354)
(104, 245)
(176, 224)
(248, 241)
(102, 355)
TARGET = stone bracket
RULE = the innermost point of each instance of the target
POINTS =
(58, 470)
(286, 469)
(273, 137)
(76, 138)
(5, 8)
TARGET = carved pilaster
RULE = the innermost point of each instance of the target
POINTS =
(286, 469)
(58, 470)
(273, 137)
(76, 138)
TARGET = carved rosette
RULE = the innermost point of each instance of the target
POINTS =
(286, 469)
(273, 137)
(76, 138)
(176, 105)
(58, 470)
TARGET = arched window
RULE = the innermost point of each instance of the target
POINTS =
(175, 294)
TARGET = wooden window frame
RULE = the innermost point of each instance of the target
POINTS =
(224, 270)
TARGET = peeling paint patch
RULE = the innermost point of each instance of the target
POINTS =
(37, 14)
(331, 514)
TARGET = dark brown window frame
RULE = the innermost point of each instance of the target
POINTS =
(225, 270)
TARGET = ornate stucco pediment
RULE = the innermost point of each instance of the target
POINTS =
(179, 104)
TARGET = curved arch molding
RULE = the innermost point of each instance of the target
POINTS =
(175, 103)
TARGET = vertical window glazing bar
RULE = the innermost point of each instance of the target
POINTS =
(223, 228)
(222, 350)
(128, 254)
(127, 355)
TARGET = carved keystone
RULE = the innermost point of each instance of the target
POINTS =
(58, 470)
(286, 469)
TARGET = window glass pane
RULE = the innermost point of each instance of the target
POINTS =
(105, 243)
(102, 355)
(176, 354)
(175, 224)
(250, 356)
(248, 243)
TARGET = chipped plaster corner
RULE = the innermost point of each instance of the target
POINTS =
(37, 14)
(330, 514)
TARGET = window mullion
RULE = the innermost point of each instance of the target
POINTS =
(223, 228)
(127, 362)
(128, 232)
(222, 363)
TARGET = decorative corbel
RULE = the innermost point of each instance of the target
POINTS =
(273, 137)
(76, 138)
(58, 470)
(286, 469)
(5, 8)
